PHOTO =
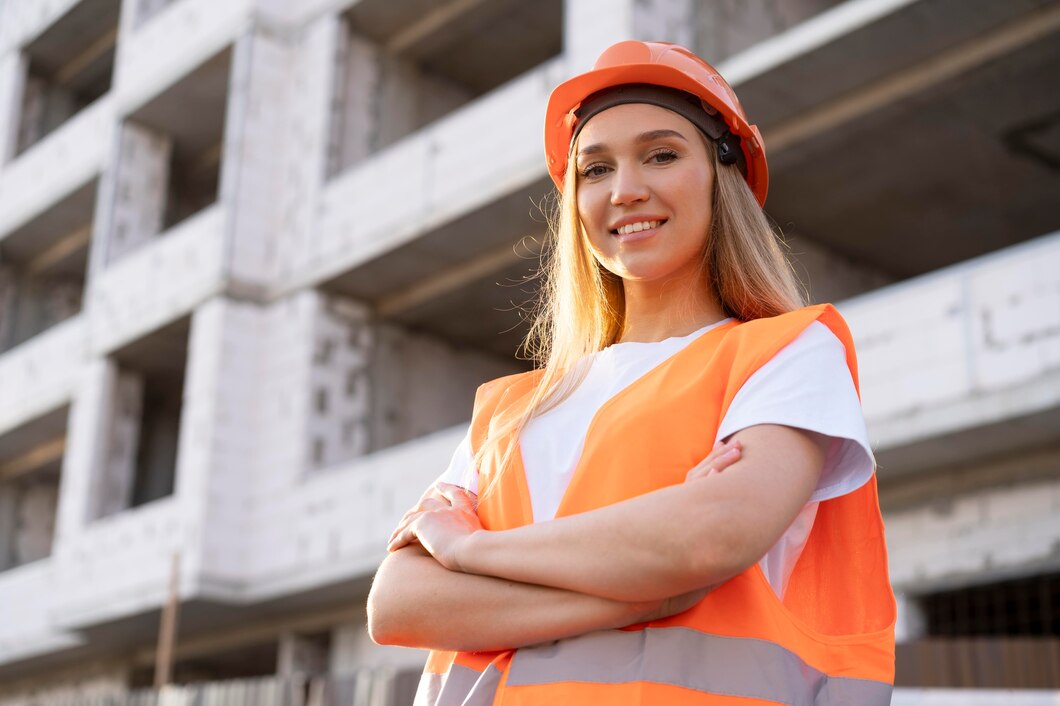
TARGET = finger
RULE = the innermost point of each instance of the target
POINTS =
(723, 456)
(402, 538)
(425, 505)
(402, 526)
(458, 497)
(710, 466)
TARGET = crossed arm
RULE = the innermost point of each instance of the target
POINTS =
(617, 565)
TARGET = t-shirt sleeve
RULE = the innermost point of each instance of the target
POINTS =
(461, 469)
(807, 385)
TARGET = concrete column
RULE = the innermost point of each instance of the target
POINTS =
(32, 112)
(36, 521)
(340, 412)
(315, 71)
(727, 27)
(666, 21)
(8, 524)
(590, 26)
(115, 478)
(7, 307)
(134, 13)
(300, 655)
(86, 446)
(255, 143)
(912, 623)
(354, 113)
(140, 176)
(13, 67)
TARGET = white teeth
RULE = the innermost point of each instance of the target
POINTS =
(637, 227)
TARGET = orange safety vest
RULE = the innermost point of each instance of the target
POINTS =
(829, 643)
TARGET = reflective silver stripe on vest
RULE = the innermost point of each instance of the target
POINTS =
(462, 686)
(713, 664)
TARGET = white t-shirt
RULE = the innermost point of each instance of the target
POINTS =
(807, 385)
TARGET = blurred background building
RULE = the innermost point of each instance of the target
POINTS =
(256, 256)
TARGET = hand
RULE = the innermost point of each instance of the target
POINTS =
(657, 610)
(721, 457)
(442, 521)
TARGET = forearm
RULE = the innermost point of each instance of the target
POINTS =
(416, 602)
(669, 541)
(647, 548)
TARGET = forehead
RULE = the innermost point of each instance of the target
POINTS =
(622, 124)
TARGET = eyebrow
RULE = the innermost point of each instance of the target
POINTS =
(643, 137)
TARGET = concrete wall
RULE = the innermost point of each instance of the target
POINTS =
(975, 523)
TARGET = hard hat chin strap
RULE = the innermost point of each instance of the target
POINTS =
(688, 106)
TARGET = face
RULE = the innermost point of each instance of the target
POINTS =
(644, 192)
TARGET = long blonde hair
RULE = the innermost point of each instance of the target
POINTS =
(581, 306)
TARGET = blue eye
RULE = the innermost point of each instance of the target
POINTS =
(589, 171)
(669, 154)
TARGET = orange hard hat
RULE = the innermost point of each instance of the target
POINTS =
(658, 64)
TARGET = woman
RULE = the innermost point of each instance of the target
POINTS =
(679, 506)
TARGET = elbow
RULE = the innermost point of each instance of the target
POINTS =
(390, 622)
(380, 622)
(713, 562)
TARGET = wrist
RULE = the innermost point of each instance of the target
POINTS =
(469, 553)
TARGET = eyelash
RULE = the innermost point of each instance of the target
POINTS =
(668, 153)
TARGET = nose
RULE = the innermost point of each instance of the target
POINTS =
(628, 186)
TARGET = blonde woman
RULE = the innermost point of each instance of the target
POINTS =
(678, 505)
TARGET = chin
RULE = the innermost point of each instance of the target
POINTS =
(643, 271)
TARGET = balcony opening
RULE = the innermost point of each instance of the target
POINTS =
(377, 384)
(67, 68)
(143, 426)
(31, 458)
(1003, 635)
(404, 65)
(43, 265)
(170, 159)
(430, 321)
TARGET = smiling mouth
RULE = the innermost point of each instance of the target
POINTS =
(632, 228)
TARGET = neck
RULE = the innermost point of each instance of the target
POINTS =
(676, 307)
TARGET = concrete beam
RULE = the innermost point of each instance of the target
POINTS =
(429, 24)
(915, 79)
(804, 38)
(450, 280)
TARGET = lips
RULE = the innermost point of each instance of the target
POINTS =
(633, 224)
(634, 235)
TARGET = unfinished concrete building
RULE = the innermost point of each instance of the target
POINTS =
(256, 256)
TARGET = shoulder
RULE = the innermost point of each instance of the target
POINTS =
(490, 393)
(765, 337)
(796, 320)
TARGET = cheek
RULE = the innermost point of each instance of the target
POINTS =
(585, 209)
